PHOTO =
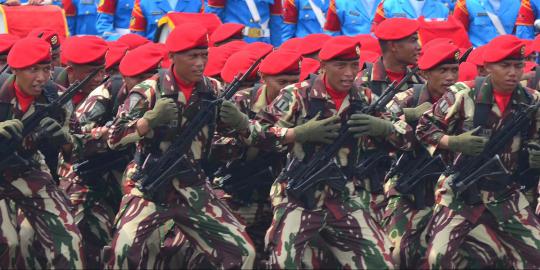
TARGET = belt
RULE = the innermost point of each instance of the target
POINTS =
(255, 32)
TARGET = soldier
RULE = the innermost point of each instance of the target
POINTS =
(133, 40)
(52, 38)
(146, 118)
(485, 20)
(31, 187)
(113, 17)
(262, 19)
(350, 17)
(312, 44)
(226, 33)
(6, 42)
(303, 17)
(146, 14)
(411, 9)
(240, 62)
(81, 16)
(298, 219)
(117, 51)
(217, 58)
(497, 203)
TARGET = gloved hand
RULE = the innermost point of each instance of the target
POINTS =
(53, 131)
(232, 116)
(534, 155)
(164, 111)
(11, 129)
(467, 143)
(321, 131)
(413, 114)
(364, 124)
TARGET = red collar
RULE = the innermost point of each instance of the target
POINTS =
(24, 100)
(186, 88)
(337, 96)
(395, 76)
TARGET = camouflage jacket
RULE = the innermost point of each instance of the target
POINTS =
(375, 78)
(141, 99)
(31, 143)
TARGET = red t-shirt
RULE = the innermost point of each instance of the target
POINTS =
(337, 96)
(502, 99)
(24, 100)
(77, 98)
(395, 76)
(186, 88)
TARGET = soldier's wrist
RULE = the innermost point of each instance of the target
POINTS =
(143, 127)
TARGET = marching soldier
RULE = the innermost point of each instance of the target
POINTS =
(31, 187)
(113, 17)
(298, 218)
(484, 106)
(226, 33)
(150, 118)
(262, 19)
(52, 38)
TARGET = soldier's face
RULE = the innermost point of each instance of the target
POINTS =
(190, 65)
(440, 78)
(407, 50)
(32, 79)
(505, 74)
(340, 74)
(79, 73)
(275, 83)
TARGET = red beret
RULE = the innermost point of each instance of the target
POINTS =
(260, 49)
(504, 47)
(49, 35)
(438, 54)
(28, 52)
(529, 48)
(133, 40)
(187, 36)
(226, 31)
(396, 28)
(217, 57)
(436, 41)
(6, 42)
(309, 66)
(477, 56)
(529, 66)
(235, 45)
(467, 72)
(340, 47)
(116, 52)
(166, 61)
(368, 57)
(281, 62)
(85, 50)
(369, 43)
(140, 60)
(239, 62)
(313, 43)
(292, 44)
(536, 44)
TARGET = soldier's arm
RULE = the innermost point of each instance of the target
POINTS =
(461, 13)
(434, 125)
(138, 22)
(333, 22)
(290, 19)
(525, 20)
(276, 21)
(128, 126)
(105, 17)
(70, 9)
(217, 7)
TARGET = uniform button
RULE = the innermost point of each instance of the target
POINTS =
(250, 20)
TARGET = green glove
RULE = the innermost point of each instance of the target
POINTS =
(367, 125)
(413, 114)
(54, 131)
(319, 131)
(232, 116)
(467, 143)
(534, 155)
(11, 129)
(164, 111)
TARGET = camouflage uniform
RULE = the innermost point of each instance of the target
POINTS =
(503, 209)
(189, 201)
(374, 77)
(360, 242)
(45, 207)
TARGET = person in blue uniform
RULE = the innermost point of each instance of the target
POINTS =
(113, 17)
(81, 16)
(303, 17)
(350, 17)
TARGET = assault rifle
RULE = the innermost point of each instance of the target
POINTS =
(32, 122)
(304, 176)
(152, 177)
(467, 171)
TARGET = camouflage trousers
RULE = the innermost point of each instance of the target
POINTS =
(347, 230)
(205, 222)
(9, 236)
(47, 212)
(514, 241)
(95, 203)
